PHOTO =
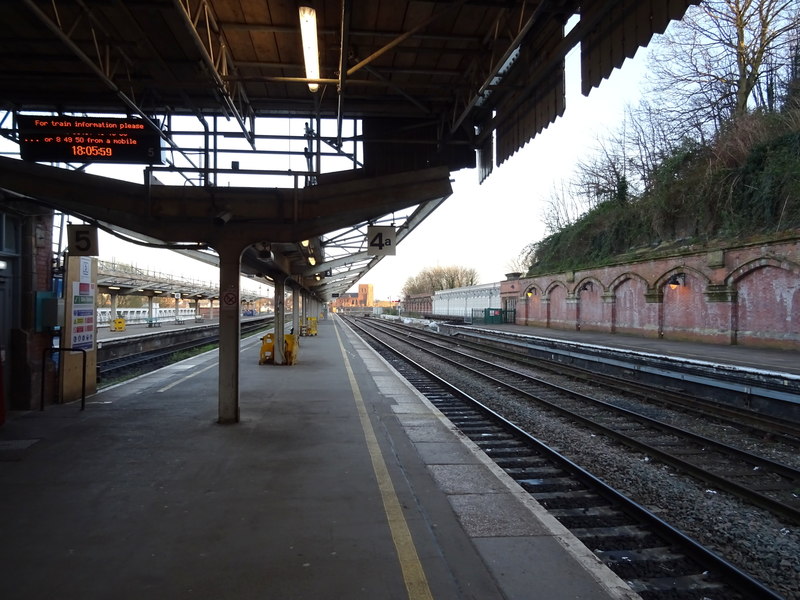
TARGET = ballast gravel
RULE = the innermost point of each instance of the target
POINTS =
(748, 537)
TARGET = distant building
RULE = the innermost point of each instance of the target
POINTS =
(364, 298)
(461, 302)
(418, 304)
(365, 294)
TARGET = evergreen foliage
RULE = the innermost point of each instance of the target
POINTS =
(745, 183)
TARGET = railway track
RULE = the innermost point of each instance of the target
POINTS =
(131, 365)
(762, 482)
(746, 420)
(661, 393)
(657, 560)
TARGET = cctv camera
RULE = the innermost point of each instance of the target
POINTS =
(222, 218)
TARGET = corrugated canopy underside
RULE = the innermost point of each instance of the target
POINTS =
(464, 70)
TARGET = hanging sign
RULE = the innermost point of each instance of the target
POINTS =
(88, 139)
(82, 240)
(381, 240)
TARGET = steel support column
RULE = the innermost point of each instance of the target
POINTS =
(229, 342)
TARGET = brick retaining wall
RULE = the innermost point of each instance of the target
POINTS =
(746, 294)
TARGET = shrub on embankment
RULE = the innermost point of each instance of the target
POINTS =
(745, 184)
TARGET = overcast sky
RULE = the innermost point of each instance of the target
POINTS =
(486, 226)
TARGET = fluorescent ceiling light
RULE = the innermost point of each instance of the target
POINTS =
(308, 31)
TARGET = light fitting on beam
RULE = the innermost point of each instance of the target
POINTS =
(308, 31)
(222, 218)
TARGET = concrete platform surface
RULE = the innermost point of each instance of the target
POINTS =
(340, 482)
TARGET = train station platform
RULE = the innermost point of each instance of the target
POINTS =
(767, 359)
(339, 482)
(106, 332)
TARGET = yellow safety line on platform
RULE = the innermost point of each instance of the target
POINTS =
(413, 574)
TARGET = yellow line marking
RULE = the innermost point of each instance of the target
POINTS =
(182, 379)
(413, 574)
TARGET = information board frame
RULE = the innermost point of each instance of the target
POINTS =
(69, 139)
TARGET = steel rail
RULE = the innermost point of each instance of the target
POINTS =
(753, 496)
(739, 579)
(139, 360)
(760, 423)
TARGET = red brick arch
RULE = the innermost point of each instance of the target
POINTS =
(535, 309)
(590, 310)
(631, 313)
(767, 305)
(557, 313)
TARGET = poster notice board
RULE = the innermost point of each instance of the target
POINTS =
(80, 328)
(82, 320)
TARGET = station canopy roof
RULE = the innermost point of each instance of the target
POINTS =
(431, 84)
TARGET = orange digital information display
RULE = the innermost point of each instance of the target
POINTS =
(87, 139)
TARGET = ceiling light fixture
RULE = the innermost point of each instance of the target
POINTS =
(308, 31)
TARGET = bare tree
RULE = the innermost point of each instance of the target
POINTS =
(722, 59)
(433, 279)
(604, 176)
(561, 209)
(649, 139)
(518, 264)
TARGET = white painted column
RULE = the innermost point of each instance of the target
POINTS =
(113, 313)
(229, 321)
(296, 311)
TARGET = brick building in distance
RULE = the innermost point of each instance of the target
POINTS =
(365, 298)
